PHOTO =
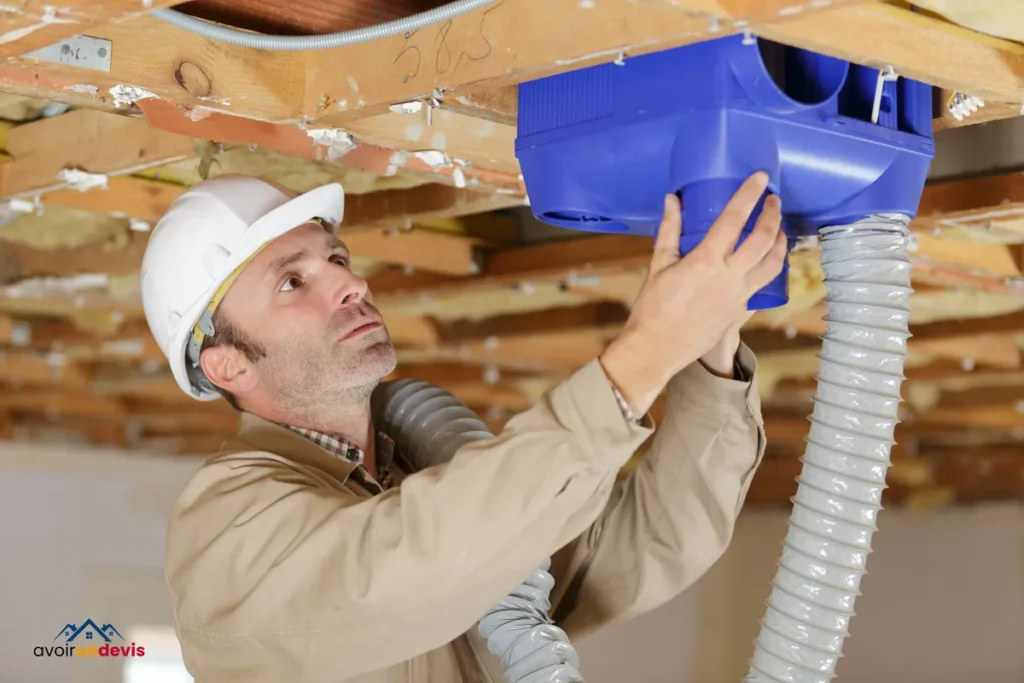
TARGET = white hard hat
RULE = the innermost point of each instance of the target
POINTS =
(201, 244)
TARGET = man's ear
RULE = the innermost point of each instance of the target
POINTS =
(228, 368)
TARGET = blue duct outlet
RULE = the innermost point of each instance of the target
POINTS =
(600, 147)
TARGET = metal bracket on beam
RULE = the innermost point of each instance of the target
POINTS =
(84, 52)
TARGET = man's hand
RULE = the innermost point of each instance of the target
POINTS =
(689, 307)
(721, 359)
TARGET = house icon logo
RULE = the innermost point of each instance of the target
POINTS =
(89, 639)
(89, 633)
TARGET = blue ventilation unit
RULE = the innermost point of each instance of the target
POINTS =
(600, 147)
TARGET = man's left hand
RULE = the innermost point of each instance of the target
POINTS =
(721, 359)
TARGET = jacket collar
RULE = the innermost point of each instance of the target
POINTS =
(257, 433)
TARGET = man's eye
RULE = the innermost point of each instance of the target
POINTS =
(339, 259)
(291, 283)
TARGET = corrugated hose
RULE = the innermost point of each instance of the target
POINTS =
(429, 425)
(856, 405)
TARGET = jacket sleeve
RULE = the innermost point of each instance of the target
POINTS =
(277, 576)
(674, 516)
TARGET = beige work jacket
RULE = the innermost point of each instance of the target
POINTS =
(284, 568)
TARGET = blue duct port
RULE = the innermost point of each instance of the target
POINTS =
(600, 147)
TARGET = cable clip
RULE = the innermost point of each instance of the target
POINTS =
(887, 75)
(433, 102)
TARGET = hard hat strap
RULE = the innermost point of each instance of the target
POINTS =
(204, 325)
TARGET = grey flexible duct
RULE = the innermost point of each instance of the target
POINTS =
(824, 557)
(260, 41)
(428, 426)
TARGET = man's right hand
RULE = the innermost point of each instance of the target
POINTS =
(687, 304)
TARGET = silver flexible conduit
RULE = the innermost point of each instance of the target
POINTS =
(428, 426)
(824, 557)
(260, 41)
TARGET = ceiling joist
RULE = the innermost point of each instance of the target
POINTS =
(420, 130)
(441, 102)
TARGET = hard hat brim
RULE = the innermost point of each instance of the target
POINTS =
(326, 202)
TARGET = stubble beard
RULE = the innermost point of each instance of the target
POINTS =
(312, 386)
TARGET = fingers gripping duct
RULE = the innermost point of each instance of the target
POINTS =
(824, 557)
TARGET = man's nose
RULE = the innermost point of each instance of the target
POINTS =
(348, 288)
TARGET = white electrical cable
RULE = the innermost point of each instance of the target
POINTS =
(428, 426)
(867, 275)
(260, 41)
(961, 105)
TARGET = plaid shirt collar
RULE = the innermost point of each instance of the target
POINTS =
(340, 447)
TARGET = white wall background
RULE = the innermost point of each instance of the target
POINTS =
(82, 535)
(943, 602)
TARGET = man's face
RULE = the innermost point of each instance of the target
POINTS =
(323, 340)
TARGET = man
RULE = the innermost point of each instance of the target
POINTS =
(303, 552)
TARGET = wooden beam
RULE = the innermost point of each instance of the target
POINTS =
(250, 96)
(1010, 324)
(404, 151)
(424, 250)
(153, 59)
(564, 337)
(992, 111)
(586, 257)
(420, 249)
(139, 198)
(549, 353)
(495, 46)
(58, 403)
(7, 327)
(410, 330)
(90, 430)
(500, 105)
(581, 263)
(946, 201)
(442, 374)
(952, 475)
(431, 201)
(31, 25)
(130, 428)
(558, 320)
(996, 348)
(982, 396)
(132, 341)
(941, 372)
(114, 258)
(504, 43)
(87, 141)
(33, 369)
(378, 226)
(915, 45)
(474, 142)
(988, 259)
(946, 370)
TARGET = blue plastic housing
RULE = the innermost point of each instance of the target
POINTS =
(600, 147)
